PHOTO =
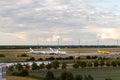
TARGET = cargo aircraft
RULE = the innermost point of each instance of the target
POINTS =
(103, 52)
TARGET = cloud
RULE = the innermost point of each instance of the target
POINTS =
(71, 19)
(110, 33)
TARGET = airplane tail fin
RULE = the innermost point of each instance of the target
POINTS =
(51, 50)
(98, 50)
(58, 50)
(31, 49)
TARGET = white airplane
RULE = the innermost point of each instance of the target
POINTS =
(58, 52)
(38, 52)
(51, 52)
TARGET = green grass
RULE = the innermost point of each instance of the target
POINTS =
(98, 74)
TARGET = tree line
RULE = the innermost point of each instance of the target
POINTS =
(23, 70)
(55, 46)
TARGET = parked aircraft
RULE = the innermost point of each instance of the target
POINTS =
(36, 52)
(103, 52)
(58, 52)
(51, 52)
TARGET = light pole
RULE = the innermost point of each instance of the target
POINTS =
(98, 43)
(79, 45)
(117, 43)
(58, 41)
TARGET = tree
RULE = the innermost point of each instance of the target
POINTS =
(32, 59)
(86, 78)
(96, 64)
(118, 63)
(71, 57)
(64, 65)
(113, 63)
(67, 76)
(55, 64)
(24, 72)
(83, 64)
(49, 76)
(41, 66)
(24, 55)
(108, 63)
(27, 66)
(19, 67)
(89, 64)
(88, 57)
(78, 77)
(76, 65)
(102, 63)
(34, 66)
(49, 66)
(11, 68)
(40, 59)
(90, 77)
(108, 79)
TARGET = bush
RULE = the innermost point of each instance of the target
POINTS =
(78, 77)
(49, 76)
(89, 64)
(96, 64)
(108, 63)
(19, 66)
(40, 59)
(58, 58)
(102, 63)
(50, 58)
(27, 66)
(90, 77)
(94, 57)
(113, 63)
(32, 59)
(24, 72)
(83, 64)
(49, 66)
(71, 58)
(88, 57)
(67, 76)
(16, 73)
(42, 66)
(34, 66)
(55, 64)
(24, 55)
(76, 65)
(78, 57)
(108, 79)
(64, 65)
(2, 55)
(11, 68)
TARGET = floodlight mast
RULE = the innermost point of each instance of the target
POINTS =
(98, 43)
(79, 45)
(58, 41)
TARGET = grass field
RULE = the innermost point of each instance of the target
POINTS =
(18, 78)
(98, 74)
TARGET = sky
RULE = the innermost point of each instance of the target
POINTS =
(44, 22)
